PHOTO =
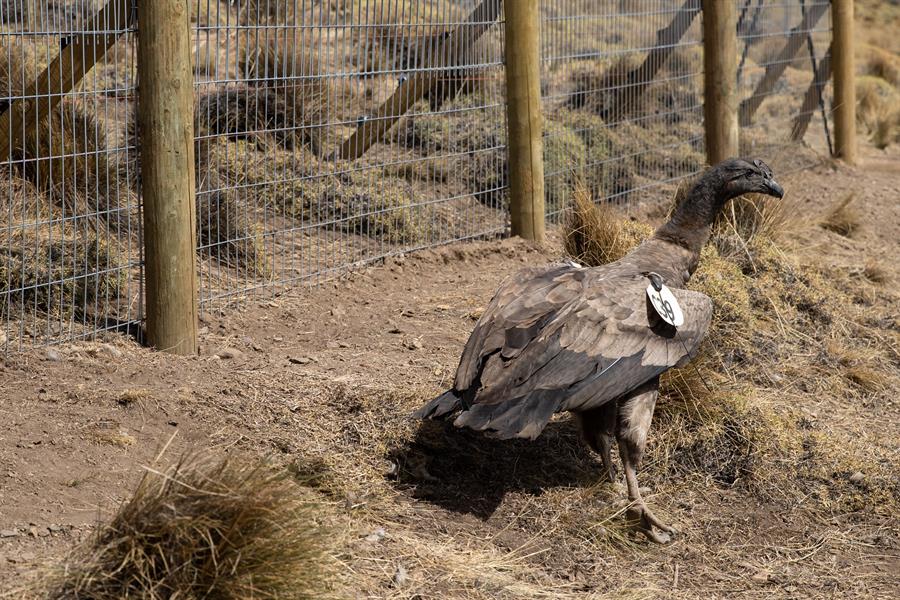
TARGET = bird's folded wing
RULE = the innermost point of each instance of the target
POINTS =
(597, 346)
(525, 302)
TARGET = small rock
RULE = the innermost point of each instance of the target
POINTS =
(277, 338)
(303, 360)
(395, 330)
(414, 345)
(761, 576)
(400, 576)
(111, 350)
(377, 535)
(54, 528)
(857, 477)
(53, 355)
(229, 353)
(8, 533)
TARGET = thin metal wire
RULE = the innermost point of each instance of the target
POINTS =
(282, 85)
(767, 135)
(622, 99)
(69, 235)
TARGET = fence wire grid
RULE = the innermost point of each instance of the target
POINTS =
(334, 134)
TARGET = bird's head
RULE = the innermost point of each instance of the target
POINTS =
(745, 176)
(711, 191)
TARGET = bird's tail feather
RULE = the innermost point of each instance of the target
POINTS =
(443, 405)
(523, 417)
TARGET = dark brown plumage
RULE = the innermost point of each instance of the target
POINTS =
(587, 340)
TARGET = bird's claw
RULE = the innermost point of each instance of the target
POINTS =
(645, 521)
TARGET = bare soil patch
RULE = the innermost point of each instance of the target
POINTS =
(327, 376)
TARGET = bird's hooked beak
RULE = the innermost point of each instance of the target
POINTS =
(773, 189)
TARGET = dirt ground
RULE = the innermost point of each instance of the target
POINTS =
(328, 375)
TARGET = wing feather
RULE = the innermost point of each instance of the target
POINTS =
(563, 338)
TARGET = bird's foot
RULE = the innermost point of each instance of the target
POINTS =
(645, 522)
(610, 471)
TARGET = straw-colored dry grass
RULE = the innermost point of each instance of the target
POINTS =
(59, 267)
(878, 95)
(204, 528)
(724, 416)
(608, 91)
(65, 152)
(379, 207)
(593, 233)
(842, 217)
(285, 101)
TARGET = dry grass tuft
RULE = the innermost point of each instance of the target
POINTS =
(58, 267)
(594, 235)
(878, 108)
(755, 217)
(842, 218)
(723, 416)
(285, 101)
(204, 528)
(388, 210)
(881, 63)
(64, 154)
(876, 272)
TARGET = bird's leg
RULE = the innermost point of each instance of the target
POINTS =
(634, 416)
(598, 427)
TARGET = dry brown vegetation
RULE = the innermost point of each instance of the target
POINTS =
(878, 90)
(205, 527)
(842, 217)
(718, 416)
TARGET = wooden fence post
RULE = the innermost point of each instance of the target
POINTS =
(720, 105)
(525, 119)
(165, 117)
(845, 143)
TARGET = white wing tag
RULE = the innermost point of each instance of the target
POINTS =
(666, 305)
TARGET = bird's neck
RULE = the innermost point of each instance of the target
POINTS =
(691, 221)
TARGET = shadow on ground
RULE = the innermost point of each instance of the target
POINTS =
(467, 472)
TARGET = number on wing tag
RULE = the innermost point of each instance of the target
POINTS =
(666, 305)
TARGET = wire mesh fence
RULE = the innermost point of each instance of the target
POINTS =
(333, 134)
(69, 225)
(623, 98)
(305, 166)
(782, 80)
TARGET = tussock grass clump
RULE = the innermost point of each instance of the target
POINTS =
(595, 235)
(385, 211)
(64, 154)
(878, 109)
(285, 102)
(881, 63)
(611, 94)
(876, 272)
(204, 528)
(61, 268)
(725, 416)
(473, 140)
(754, 217)
(842, 218)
